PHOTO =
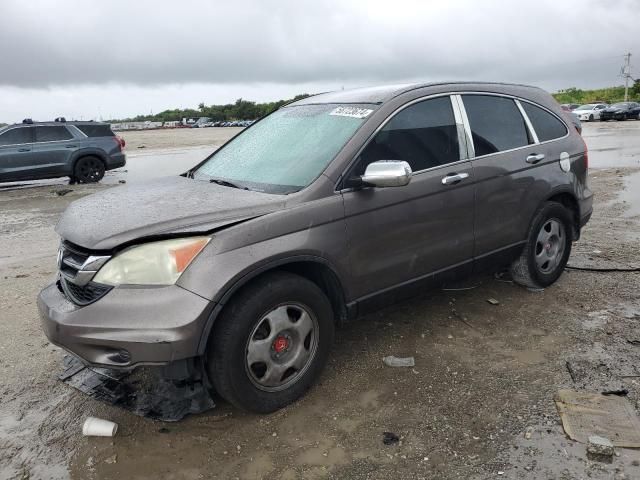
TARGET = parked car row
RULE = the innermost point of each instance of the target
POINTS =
(235, 123)
(603, 111)
(621, 111)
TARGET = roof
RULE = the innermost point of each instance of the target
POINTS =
(384, 93)
(35, 123)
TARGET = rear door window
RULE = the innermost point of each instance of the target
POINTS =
(52, 134)
(424, 135)
(496, 124)
(17, 136)
(546, 125)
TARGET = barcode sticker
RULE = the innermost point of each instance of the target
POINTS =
(353, 112)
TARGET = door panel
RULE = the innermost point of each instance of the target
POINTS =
(15, 154)
(400, 234)
(403, 233)
(510, 177)
(52, 149)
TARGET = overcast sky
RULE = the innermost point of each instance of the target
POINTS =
(88, 59)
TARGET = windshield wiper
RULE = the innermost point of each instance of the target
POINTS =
(225, 183)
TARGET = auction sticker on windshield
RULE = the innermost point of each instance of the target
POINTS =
(354, 112)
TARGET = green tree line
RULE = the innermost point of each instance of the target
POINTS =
(240, 110)
(607, 95)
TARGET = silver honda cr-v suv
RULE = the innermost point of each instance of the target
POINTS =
(322, 211)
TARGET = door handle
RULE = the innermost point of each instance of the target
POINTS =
(453, 178)
(24, 149)
(535, 158)
(70, 146)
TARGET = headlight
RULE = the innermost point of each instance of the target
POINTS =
(156, 263)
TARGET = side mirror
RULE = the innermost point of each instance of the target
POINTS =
(387, 173)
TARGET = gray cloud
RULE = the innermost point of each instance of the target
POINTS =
(150, 43)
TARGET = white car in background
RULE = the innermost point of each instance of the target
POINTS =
(590, 111)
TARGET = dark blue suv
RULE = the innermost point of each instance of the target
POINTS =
(82, 151)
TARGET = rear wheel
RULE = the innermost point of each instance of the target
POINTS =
(88, 170)
(271, 342)
(547, 249)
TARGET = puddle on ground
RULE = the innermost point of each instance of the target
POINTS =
(630, 195)
(146, 165)
(141, 165)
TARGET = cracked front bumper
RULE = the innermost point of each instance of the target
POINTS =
(128, 326)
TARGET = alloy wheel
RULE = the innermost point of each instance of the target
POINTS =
(281, 347)
(89, 170)
(550, 245)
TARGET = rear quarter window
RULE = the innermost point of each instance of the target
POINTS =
(96, 130)
(496, 124)
(546, 125)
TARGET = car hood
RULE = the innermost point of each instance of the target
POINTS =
(165, 206)
(613, 110)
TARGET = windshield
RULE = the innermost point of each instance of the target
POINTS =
(585, 107)
(287, 150)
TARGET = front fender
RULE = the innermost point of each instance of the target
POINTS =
(242, 279)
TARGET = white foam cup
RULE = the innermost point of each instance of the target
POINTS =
(97, 427)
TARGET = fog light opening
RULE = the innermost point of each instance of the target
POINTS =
(120, 356)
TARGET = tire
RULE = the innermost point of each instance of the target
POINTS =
(268, 320)
(591, 117)
(529, 269)
(88, 169)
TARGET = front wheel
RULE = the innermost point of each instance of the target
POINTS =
(547, 249)
(271, 342)
(591, 117)
(88, 170)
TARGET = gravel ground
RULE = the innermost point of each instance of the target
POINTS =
(485, 374)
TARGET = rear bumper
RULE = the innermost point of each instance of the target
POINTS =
(116, 160)
(128, 326)
(585, 205)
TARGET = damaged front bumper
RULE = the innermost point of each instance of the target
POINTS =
(128, 326)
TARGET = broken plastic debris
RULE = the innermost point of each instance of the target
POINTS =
(97, 427)
(158, 398)
(493, 301)
(392, 361)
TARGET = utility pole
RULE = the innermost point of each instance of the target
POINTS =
(626, 73)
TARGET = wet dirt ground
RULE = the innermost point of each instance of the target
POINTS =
(477, 405)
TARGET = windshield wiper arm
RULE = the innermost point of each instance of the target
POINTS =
(225, 183)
